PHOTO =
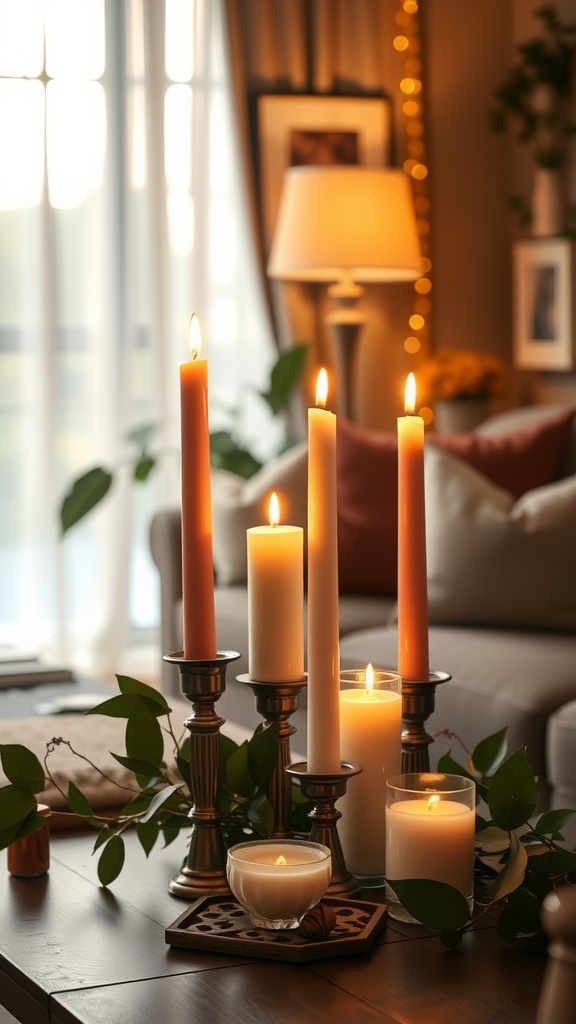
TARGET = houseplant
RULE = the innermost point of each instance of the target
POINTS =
(460, 383)
(533, 98)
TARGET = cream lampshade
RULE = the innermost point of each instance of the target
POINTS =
(345, 224)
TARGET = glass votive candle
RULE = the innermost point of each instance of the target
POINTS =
(278, 881)
(430, 825)
(371, 737)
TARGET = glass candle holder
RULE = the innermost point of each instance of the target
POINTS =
(371, 737)
(430, 825)
(278, 881)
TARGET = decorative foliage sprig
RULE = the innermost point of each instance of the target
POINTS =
(159, 801)
(518, 860)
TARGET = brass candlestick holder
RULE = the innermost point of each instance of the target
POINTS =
(324, 791)
(418, 702)
(276, 702)
(203, 682)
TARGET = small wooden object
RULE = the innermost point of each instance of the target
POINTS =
(30, 857)
(558, 995)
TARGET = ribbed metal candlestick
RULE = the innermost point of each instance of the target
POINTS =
(324, 791)
(276, 702)
(418, 702)
(203, 682)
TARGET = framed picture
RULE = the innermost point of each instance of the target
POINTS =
(544, 281)
(299, 129)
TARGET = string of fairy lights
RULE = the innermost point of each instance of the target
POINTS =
(407, 42)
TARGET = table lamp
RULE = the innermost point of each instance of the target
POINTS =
(345, 224)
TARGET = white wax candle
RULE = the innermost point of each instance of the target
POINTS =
(323, 753)
(275, 601)
(431, 838)
(279, 881)
(413, 661)
(370, 735)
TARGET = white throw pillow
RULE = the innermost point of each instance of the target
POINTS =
(238, 504)
(493, 560)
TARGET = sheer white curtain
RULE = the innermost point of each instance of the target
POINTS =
(121, 212)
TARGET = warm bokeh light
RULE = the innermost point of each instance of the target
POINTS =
(416, 322)
(423, 306)
(400, 43)
(274, 510)
(194, 337)
(410, 395)
(423, 285)
(425, 264)
(427, 415)
(322, 389)
(411, 345)
(411, 108)
(420, 171)
(410, 6)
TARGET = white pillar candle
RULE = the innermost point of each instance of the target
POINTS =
(430, 830)
(370, 736)
(275, 600)
(278, 881)
(323, 741)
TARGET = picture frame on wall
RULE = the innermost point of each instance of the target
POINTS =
(303, 129)
(544, 321)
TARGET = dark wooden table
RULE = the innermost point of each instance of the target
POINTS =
(73, 952)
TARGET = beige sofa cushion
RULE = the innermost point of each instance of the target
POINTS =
(493, 560)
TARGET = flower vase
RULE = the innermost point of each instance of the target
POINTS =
(459, 415)
(547, 203)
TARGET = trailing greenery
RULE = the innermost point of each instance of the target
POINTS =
(227, 450)
(518, 859)
(159, 801)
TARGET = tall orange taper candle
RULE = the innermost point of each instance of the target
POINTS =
(197, 564)
(323, 753)
(413, 663)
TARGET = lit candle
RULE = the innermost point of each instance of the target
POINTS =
(323, 619)
(197, 562)
(413, 663)
(370, 731)
(430, 829)
(278, 881)
(275, 600)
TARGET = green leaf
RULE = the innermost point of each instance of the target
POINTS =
(451, 939)
(33, 822)
(111, 860)
(142, 435)
(171, 832)
(552, 822)
(554, 862)
(489, 753)
(15, 804)
(120, 706)
(157, 801)
(284, 376)
(262, 754)
(86, 492)
(148, 834)
(127, 684)
(226, 453)
(449, 766)
(513, 793)
(509, 926)
(7, 835)
(143, 467)
(22, 767)
(78, 803)
(144, 740)
(238, 777)
(261, 814)
(435, 904)
(141, 768)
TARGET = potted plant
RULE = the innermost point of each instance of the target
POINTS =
(460, 383)
(534, 98)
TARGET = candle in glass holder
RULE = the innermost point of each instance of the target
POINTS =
(275, 600)
(430, 824)
(370, 736)
(413, 659)
(278, 881)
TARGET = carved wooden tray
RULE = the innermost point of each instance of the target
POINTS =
(219, 923)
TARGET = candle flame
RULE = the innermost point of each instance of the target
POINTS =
(281, 860)
(322, 389)
(274, 512)
(369, 677)
(194, 337)
(432, 801)
(410, 395)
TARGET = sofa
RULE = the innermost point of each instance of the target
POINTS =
(501, 562)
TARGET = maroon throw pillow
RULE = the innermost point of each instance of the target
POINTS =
(518, 462)
(367, 489)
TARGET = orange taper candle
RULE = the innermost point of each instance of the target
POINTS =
(199, 628)
(413, 662)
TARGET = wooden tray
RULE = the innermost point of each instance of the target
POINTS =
(219, 923)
